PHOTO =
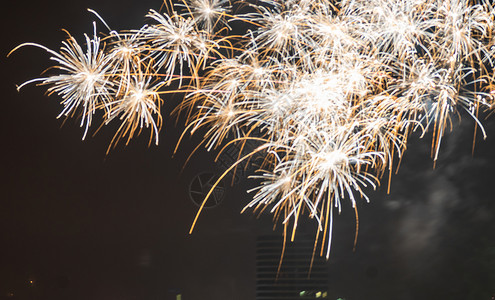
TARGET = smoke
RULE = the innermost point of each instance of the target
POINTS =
(440, 219)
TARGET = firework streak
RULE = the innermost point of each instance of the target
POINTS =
(328, 91)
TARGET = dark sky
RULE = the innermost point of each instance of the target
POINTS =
(83, 225)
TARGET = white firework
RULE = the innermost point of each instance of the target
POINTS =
(331, 90)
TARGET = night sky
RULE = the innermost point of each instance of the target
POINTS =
(78, 224)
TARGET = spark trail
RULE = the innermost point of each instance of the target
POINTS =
(329, 90)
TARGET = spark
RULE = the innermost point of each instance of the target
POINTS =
(83, 80)
(331, 90)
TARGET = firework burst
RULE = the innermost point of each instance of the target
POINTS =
(83, 82)
(331, 90)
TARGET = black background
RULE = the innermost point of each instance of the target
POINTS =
(83, 225)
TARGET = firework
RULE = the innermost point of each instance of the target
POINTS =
(84, 80)
(330, 90)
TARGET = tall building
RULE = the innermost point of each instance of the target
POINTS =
(296, 278)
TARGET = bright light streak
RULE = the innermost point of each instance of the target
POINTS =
(330, 89)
